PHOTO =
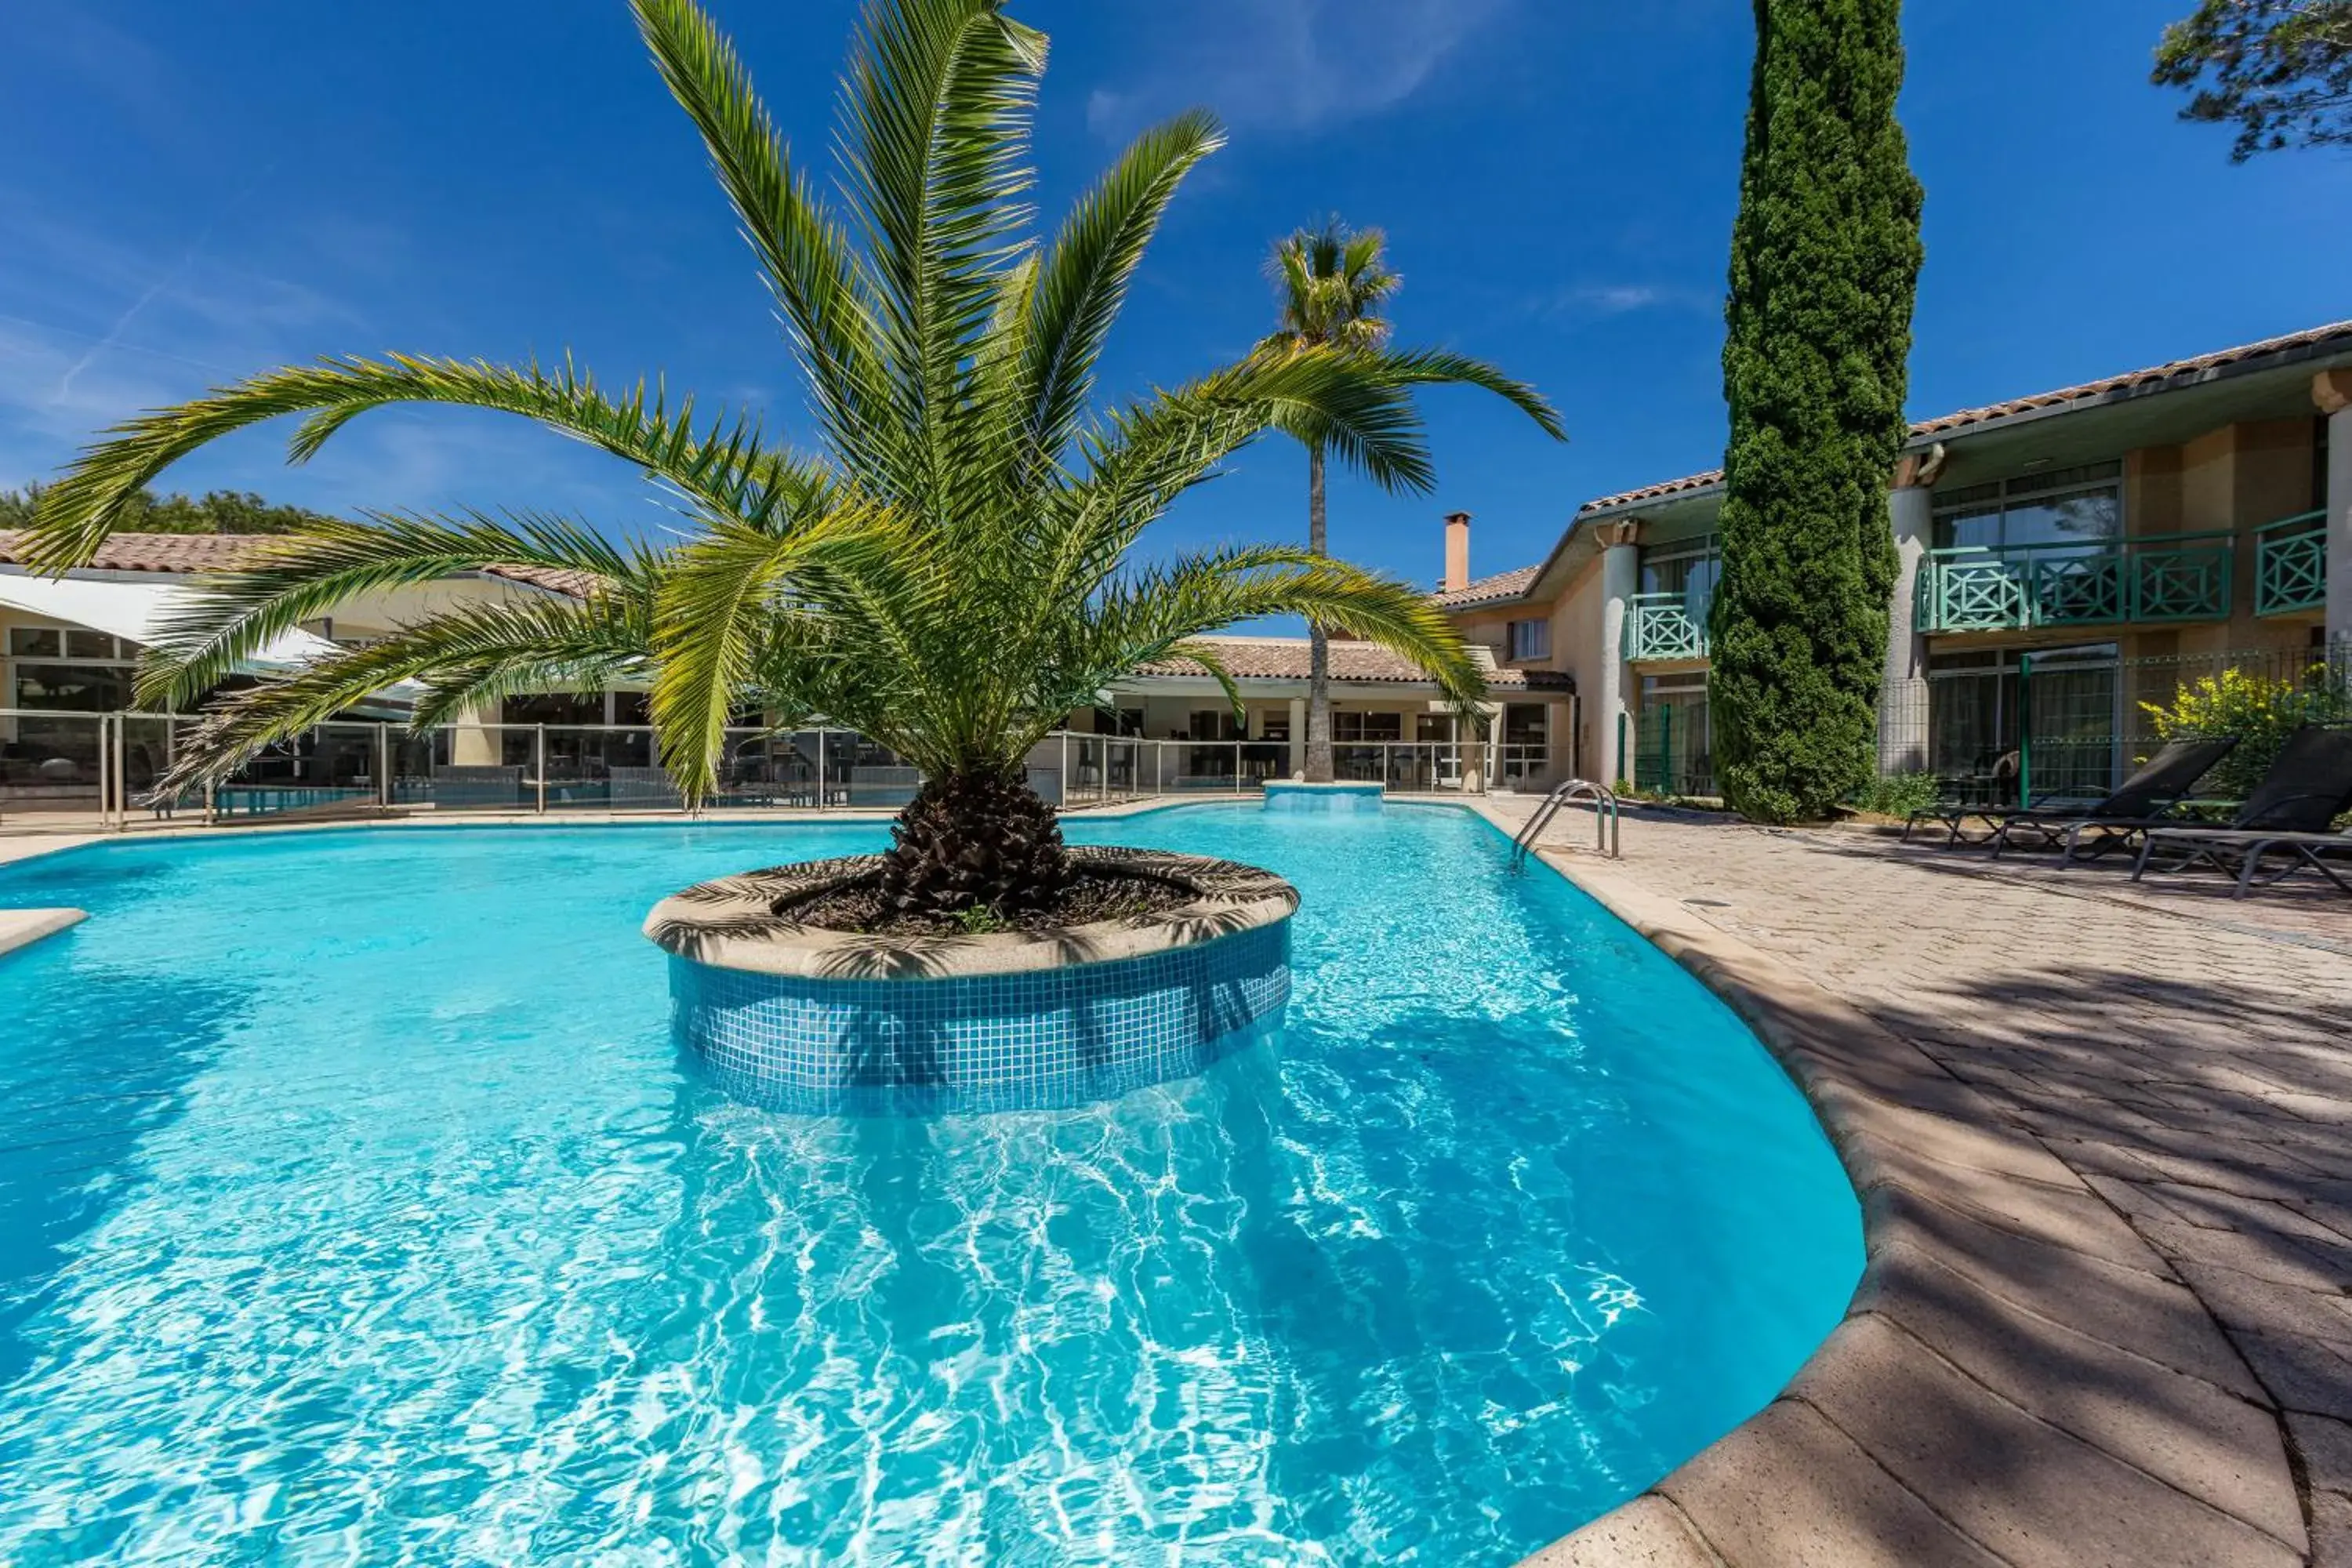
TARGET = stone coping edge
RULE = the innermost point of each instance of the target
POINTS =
(730, 924)
(2018, 1379)
(23, 928)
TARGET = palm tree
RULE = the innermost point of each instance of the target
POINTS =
(1331, 283)
(943, 569)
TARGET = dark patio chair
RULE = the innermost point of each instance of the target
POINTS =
(1981, 794)
(2290, 813)
(2111, 821)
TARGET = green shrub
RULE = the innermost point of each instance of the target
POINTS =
(2261, 710)
(1899, 794)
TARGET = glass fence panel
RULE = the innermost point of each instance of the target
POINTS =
(63, 763)
(866, 775)
(467, 768)
(1521, 767)
(329, 770)
(52, 763)
(1088, 782)
(767, 768)
(606, 769)
(1196, 767)
(150, 744)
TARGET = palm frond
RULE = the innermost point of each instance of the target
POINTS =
(725, 466)
(226, 618)
(1147, 616)
(827, 291)
(1436, 367)
(1083, 283)
(467, 657)
(716, 598)
(934, 145)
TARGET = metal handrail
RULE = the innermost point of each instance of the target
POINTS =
(1603, 801)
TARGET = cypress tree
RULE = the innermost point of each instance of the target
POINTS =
(1824, 263)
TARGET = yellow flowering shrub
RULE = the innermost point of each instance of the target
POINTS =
(2261, 710)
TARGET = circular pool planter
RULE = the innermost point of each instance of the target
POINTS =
(799, 1018)
(1323, 799)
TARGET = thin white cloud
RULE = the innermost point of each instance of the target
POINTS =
(1602, 299)
(1290, 65)
(1615, 300)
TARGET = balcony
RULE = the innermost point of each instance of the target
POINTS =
(1661, 626)
(2179, 577)
(2291, 564)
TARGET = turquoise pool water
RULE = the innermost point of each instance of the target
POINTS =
(356, 1205)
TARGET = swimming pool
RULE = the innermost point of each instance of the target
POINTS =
(355, 1202)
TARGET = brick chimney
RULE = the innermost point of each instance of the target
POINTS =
(1457, 550)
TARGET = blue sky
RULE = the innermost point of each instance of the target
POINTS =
(192, 193)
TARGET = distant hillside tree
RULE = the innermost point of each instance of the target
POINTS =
(1824, 263)
(2279, 70)
(216, 511)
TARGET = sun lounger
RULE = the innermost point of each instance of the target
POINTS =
(2146, 799)
(2289, 814)
(2148, 795)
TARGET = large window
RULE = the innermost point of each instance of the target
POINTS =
(1363, 727)
(1530, 640)
(68, 669)
(1689, 568)
(2081, 506)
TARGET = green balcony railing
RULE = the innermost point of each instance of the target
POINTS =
(1661, 626)
(2291, 564)
(2180, 578)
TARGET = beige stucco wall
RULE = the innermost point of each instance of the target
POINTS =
(374, 615)
(2234, 479)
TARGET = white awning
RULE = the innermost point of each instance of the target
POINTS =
(135, 610)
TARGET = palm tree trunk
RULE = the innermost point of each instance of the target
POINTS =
(980, 838)
(1318, 646)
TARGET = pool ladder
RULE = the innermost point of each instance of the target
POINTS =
(1575, 792)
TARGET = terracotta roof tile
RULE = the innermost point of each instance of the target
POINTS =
(2141, 380)
(194, 554)
(1489, 590)
(1706, 480)
(2153, 378)
(179, 553)
(1285, 659)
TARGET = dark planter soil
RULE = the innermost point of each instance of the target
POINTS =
(1088, 896)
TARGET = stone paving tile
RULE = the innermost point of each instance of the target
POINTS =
(16, 843)
(2331, 1531)
(1790, 1488)
(22, 928)
(2304, 1373)
(2220, 1448)
(2025, 1489)
(2184, 1056)
(1648, 1532)
(2327, 1449)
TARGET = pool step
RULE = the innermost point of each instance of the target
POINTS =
(22, 928)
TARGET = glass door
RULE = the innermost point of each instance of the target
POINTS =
(2074, 735)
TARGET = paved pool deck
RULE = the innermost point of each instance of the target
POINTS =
(2103, 1141)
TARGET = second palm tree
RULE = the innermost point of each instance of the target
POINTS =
(1330, 284)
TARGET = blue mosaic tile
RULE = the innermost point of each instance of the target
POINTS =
(1037, 1041)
